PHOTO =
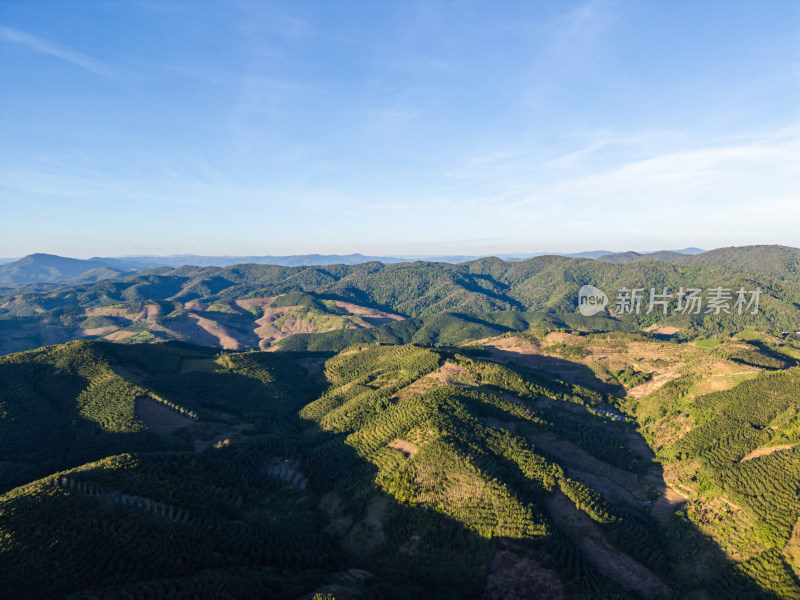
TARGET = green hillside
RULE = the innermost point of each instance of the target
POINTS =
(388, 471)
(227, 306)
(777, 262)
(447, 329)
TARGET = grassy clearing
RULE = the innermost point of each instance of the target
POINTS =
(708, 343)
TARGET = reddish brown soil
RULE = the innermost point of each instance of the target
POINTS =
(363, 311)
(259, 302)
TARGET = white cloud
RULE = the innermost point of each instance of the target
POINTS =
(726, 175)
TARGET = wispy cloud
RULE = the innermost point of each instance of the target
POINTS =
(742, 173)
(578, 35)
(41, 46)
(638, 186)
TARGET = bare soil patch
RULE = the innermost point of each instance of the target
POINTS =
(666, 503)
(636, 443)
(192, 305)
(513, 348)
(447, 374)
(557, 337)
(288, 470)
(792, 549)
(516, 575)
(597, 474)
(720, 375)
(658, 381)
(613, 563)
(222, 335)
(531, 356)
(109, 311)
(187, 328)
(452, 374)
(95, 331)
(249, 303)
(151, 311)
(158, 417)
(515, 343)
(119, 335)
(269, 333)
(364, 311)
(367, 534)
(419, 387)
(663, 329)
(764, 451)
(18, 340)
(407, 448)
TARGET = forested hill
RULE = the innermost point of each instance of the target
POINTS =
(255, 306)
(397, 472)
(410, 289)
(779, 262)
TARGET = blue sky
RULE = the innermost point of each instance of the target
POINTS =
(397, 127)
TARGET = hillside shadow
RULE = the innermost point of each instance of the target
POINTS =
(470, 285)
(553, 368)
(768, 350)
(408, 550)
(43, 431)
(698, 561)
(426, 553)
(401, 550)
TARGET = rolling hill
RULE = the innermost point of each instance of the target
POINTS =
(402, 430)
(514, 470)
(233, 307)
(778, 262)
(49, 268)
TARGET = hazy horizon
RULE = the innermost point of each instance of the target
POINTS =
(451, 254)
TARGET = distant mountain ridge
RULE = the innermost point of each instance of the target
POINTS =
(50, 268)
(780, 262)
(294, 260)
